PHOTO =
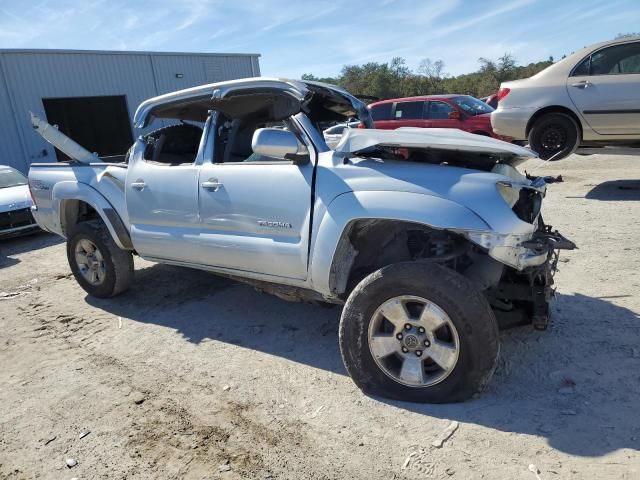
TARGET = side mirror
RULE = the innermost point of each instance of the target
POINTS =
(279, 144)
(454, 115)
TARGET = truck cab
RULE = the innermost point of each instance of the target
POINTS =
(252, 208)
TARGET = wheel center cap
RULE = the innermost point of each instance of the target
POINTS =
(411, 341)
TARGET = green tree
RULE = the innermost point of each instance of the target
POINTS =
(395, 79)
(433, 75)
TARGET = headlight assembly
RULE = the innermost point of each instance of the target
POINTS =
(525, 201)
(508, 192)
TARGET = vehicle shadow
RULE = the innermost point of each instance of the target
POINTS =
(7, 261)
(27, 243)
(575, 385)
(202, 306)
(615, 190)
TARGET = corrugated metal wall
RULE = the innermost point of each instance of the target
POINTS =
(26, 77)
(11, 150)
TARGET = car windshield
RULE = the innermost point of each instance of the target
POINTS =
(11, 178)
(472, 105)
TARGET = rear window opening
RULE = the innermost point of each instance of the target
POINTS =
(173, 145)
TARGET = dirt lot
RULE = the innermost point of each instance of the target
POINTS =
(192, 376)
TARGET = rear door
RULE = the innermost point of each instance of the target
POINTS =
(605, 88)
(410, 114)
(439, 115)
(161, 192)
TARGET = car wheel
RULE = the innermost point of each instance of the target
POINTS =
(100, 267)
(418, 331)
(554, 135)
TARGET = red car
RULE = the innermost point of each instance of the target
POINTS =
(434, 111)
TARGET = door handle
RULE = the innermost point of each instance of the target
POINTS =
(583, 84)
(212, 184)
(138, 185)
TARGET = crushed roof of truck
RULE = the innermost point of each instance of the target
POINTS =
(325, 101)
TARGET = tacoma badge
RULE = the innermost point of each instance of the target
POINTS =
(265, 223)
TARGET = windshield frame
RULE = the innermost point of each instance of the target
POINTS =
(470, 111)
(12, 172)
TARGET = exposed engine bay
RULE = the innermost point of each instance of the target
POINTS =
(484, 161)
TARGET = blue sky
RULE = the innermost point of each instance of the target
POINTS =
(296, 37)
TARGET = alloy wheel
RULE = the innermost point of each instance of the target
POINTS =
(90, 262)
(413, 341)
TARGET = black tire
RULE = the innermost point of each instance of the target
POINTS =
(118, 263)
(467, 309)
(554, 135)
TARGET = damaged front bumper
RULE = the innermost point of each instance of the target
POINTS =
(525, 291)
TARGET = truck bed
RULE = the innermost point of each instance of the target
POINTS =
(49, 180)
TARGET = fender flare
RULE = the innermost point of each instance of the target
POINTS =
(432, 211)
(72, 190)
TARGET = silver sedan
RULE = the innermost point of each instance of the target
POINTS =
(592, 97)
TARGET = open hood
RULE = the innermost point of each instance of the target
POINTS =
(434, 145)
(322, 102)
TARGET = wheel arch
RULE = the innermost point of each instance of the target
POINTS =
(76, 202)
(555, 109)
(367, 245)
(383, 213)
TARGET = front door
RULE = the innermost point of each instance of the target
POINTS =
(254, 211)
(605, 89)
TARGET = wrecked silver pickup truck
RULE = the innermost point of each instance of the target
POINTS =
(430, 238)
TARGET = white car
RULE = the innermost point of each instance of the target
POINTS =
(592, 97)
(15, 204)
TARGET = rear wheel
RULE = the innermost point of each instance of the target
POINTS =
(554, 135)
(418, 332)
(100, 267)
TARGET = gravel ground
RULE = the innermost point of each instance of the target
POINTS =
(192, 376)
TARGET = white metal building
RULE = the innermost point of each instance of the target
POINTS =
(92, 95)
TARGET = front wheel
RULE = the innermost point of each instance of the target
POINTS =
(419, 332)
(554, 136)
(100, 267)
